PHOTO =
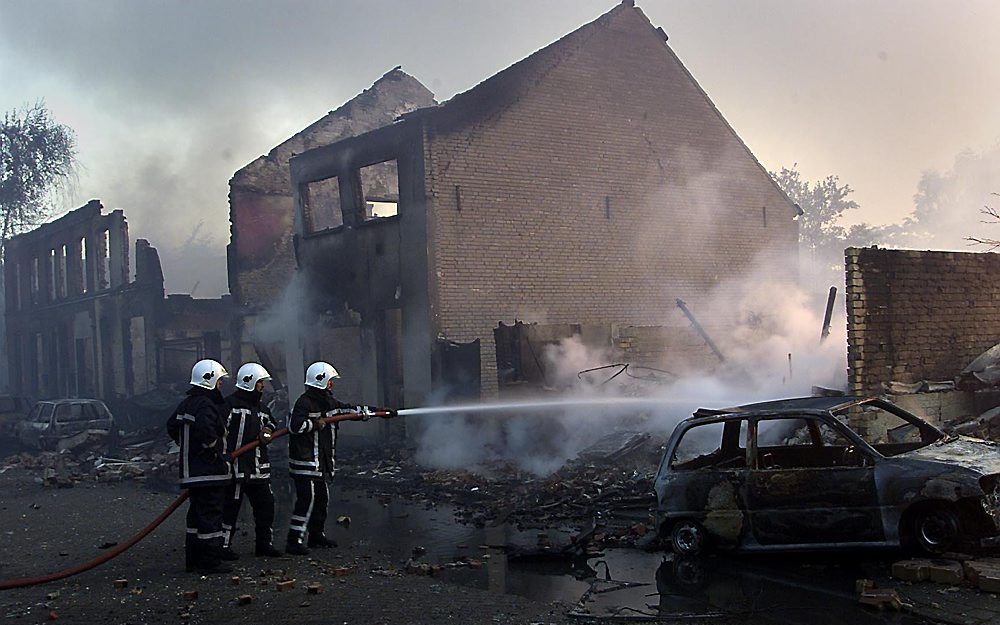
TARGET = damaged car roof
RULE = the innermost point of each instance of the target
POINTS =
(795, 403)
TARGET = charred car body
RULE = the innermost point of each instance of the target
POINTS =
(790, 474)
(61, 424)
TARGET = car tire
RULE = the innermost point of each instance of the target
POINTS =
(688, 538)
(935, 530)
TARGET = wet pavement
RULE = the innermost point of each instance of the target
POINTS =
(620, 584)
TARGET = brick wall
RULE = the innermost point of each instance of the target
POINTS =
(595, 182)
(918, 315)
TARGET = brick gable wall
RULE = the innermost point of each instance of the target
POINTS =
(605, 190)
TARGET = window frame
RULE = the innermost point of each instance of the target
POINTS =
(868, 455)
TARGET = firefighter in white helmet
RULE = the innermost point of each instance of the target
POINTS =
(311, 449)
(250, 420)
(199, 427)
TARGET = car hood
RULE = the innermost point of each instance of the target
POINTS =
(970, 453)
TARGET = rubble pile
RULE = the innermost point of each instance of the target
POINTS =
(610, 484)
(65, 469)
(957, 571)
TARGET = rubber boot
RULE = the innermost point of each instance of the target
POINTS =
(295, 547)
(320, 541)
(266, 550)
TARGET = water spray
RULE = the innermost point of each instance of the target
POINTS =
(547, 404)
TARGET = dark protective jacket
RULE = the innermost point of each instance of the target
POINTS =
(199, 427)
(311, 451)
(247, 417)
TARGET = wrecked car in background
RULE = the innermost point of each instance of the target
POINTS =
(61, 424)
(790, 474)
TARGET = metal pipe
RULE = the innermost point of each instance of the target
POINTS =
(830, 299)
(700, 330)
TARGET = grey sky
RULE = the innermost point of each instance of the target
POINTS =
(170, 98)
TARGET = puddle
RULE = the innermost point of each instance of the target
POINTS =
(621, 583)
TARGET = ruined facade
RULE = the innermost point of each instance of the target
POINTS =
(589, 186)
(81, 323)
(260, 254)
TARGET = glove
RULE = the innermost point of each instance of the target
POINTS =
(318, 424)
(265, 436)
(366, 412)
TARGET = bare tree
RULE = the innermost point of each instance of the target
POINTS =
(992, 217)
(37, 159)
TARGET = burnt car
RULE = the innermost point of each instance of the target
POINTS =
(60, 424)
(790, 474)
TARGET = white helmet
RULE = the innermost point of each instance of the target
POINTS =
(249, 374)
(319, 374)
(206, 373)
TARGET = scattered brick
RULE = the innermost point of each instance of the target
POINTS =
(911, 570)
(945, 572)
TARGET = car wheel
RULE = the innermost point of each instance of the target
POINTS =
(936, 530)
(688, 538)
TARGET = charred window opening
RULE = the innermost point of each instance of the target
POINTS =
(50, 276)
(84, 269)
(321, 205)
(63, 278)
(33, 279)
(715, 445)
(105, 270)
(802, 443)
(519, 357)
(40, 375)
(380, 187)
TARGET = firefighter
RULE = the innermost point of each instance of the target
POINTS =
(249, 420)
(311, 448)
(199, 427)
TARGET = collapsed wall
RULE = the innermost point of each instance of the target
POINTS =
(918, 315)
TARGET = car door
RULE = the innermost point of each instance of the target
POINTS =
(809, 485)
(704, 479)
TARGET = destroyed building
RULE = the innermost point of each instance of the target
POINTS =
(915, 320)
(261, 259)
(81, 321)
(584, 189)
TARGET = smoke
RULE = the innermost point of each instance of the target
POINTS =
(947, 205)
(772, 320)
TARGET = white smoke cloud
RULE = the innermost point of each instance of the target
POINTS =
(774, 320)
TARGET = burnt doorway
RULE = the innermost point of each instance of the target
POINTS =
(459, 371)
(390, 357)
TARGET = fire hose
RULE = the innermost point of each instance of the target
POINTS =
(119, 549)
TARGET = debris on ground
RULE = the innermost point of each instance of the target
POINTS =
(611, 482)
(881, 598)
(64, 469)
(958, 571)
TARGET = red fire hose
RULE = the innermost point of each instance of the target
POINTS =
(119, 549)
